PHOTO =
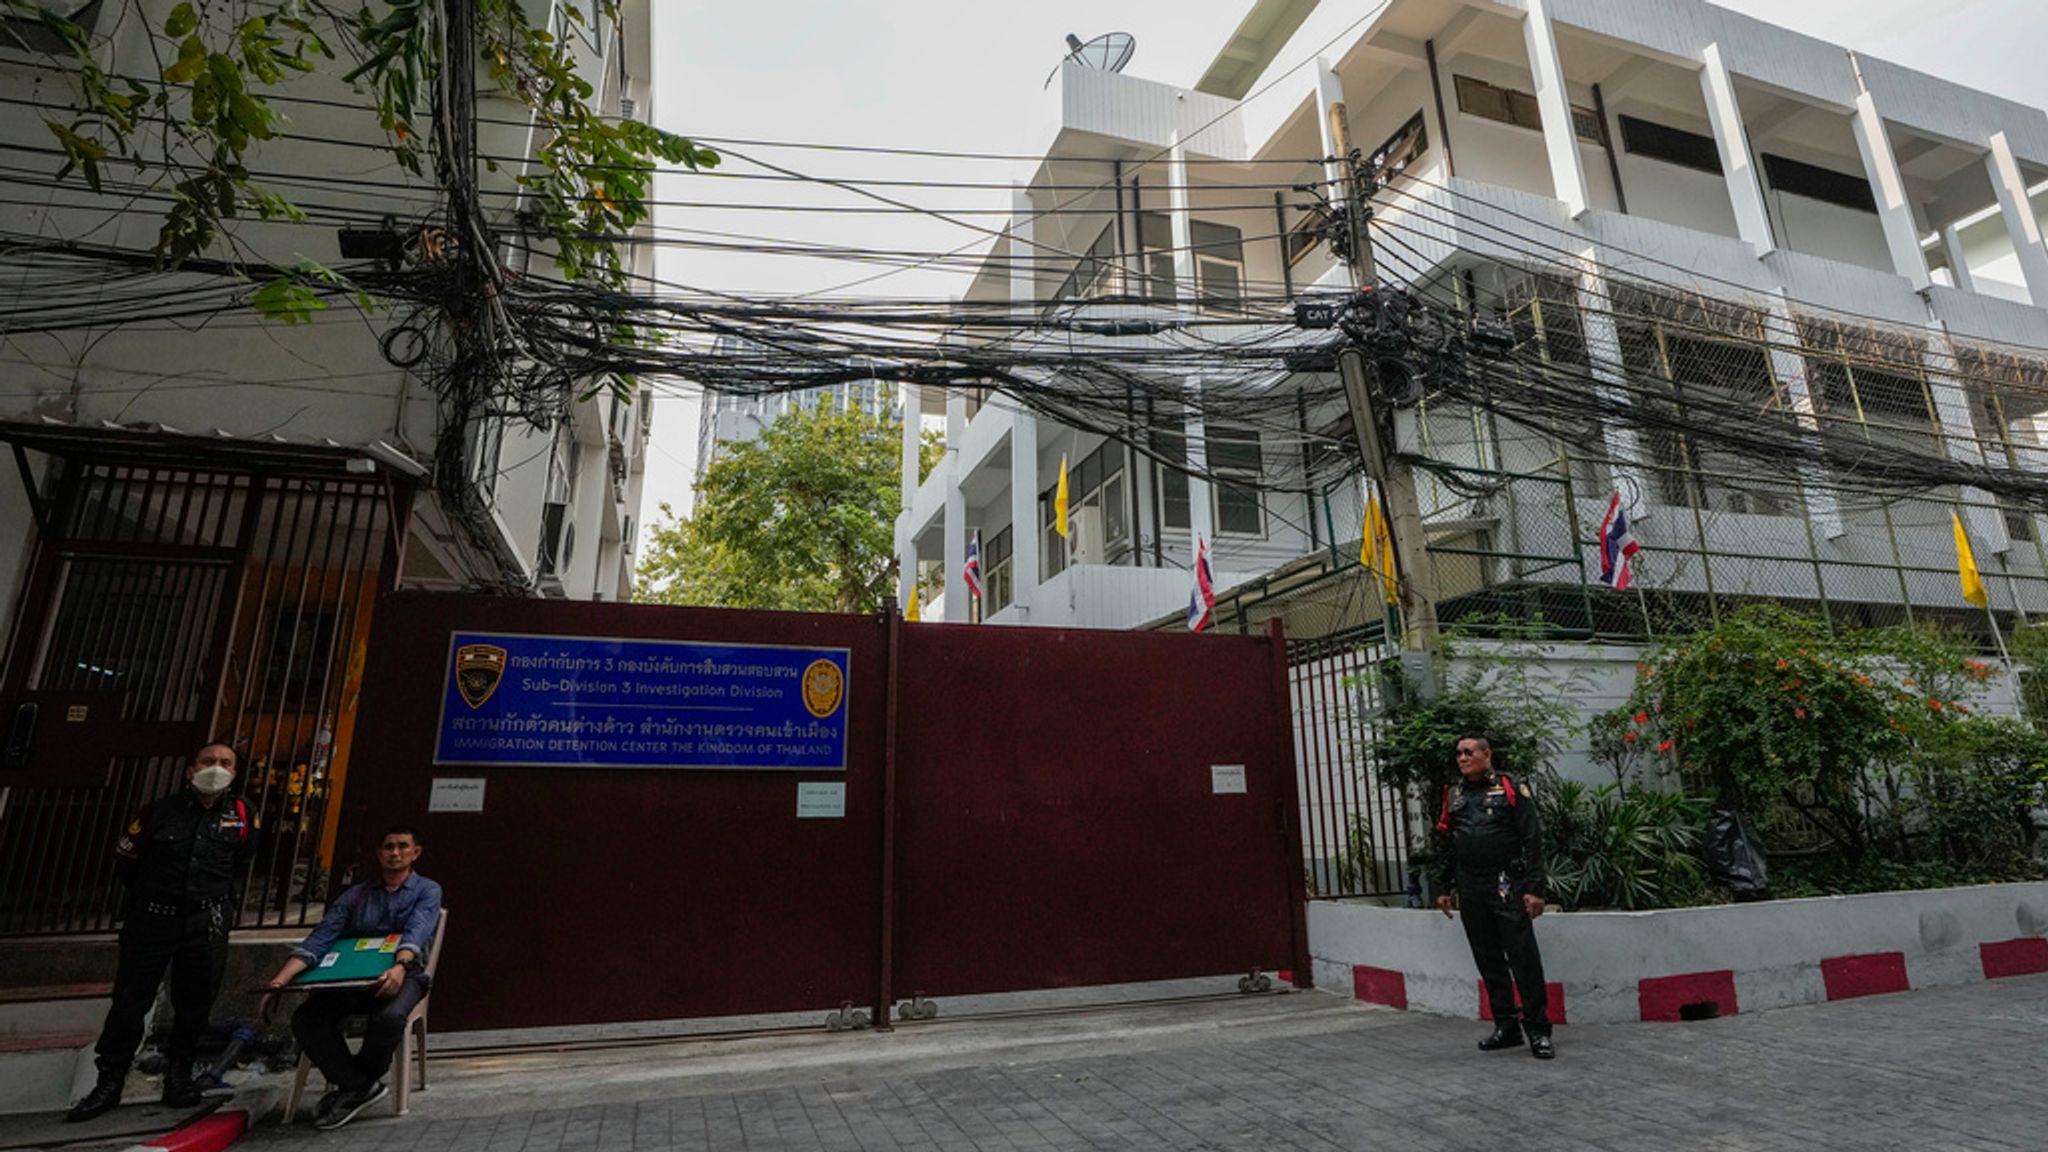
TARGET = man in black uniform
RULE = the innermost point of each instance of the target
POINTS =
(180, 858)
(1490, 848)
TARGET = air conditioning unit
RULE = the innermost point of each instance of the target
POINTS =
(1084, 543)
(557, 538)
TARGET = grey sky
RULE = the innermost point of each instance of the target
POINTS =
(949, 75)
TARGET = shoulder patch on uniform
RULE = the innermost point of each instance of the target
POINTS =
(135, 826)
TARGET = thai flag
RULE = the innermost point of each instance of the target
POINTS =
(1618, 546)
(1202, 601)
(972, 572)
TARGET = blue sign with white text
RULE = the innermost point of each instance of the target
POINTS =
(594, 702)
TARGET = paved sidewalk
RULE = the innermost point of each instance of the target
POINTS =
(1961, 1068)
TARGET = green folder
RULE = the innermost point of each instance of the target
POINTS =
(352, 959)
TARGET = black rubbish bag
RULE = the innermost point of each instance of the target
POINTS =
(1734, 857)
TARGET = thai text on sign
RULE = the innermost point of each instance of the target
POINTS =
(568, 701)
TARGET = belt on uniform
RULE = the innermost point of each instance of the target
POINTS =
(178, 908)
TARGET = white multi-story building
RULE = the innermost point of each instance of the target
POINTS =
(1655, 191)
(205, 505)
(728, 418)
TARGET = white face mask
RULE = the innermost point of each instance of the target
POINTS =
(212, 780)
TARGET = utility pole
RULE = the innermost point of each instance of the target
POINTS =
(1371, 419)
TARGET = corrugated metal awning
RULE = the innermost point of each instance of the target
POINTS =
(160, 445)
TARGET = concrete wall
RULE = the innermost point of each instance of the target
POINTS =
(1597, 678)
(1615, 967)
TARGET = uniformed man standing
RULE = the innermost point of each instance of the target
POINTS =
(180, 858)
(1490, 850)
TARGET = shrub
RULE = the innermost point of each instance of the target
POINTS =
(1874, 738)
(1618, 846)
(1527, 722)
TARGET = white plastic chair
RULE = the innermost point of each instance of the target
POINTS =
(412, 1046)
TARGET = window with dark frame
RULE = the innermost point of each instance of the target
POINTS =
(1654, 141)
(1798, 178)
(1401, 150)
(1237, 464)
(1520, 109)
(1307, 235)
(1096, 482)
(1000, 580)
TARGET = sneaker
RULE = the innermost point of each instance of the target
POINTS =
(326, 1103)
(344, 1109)
(104, 1097)
(1504, 1036)
(1541, 1048)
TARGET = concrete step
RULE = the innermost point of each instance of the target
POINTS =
(55, 1008)
(41, 1072)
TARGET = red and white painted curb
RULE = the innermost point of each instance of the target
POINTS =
(1711, 994)
(214, 1131)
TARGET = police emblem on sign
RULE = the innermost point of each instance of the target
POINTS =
(824, 684)
(478, 669)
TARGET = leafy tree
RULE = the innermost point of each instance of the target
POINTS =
(190, 129)
(801, 520)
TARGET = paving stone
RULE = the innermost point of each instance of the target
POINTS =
(1946, 1070)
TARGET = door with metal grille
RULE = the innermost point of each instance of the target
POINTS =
(166, 607)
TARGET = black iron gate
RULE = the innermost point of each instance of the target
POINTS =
(165, 607)
(1355, 830)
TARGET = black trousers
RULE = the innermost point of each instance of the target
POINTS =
(193, 948)
(1504, 947)
(318, 1022)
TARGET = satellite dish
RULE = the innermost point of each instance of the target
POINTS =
(1110, 52)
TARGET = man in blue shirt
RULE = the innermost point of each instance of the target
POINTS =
(399, 902)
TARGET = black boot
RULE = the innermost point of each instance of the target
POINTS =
(179, 1090)
(104, 1097)
(1506, 1035)
(1541, 1048)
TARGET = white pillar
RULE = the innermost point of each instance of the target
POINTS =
(1888, 185)
(1023, 270)
(1554, 101)
(1958, 258)
(2020, 222)
(1200, 513)
(1185, 289)
(1823, 508)
(1964, 441)
(1201, 508)
(956, 508)
(906, 562)
(1603, 350)
(911, 399)
(1024, 511)
(1745, 188)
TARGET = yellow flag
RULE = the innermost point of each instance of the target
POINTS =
(1376, 552)
(910, 612)
(1966, 567)
(1059, 501)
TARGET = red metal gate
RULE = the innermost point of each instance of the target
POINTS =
(1025, 808)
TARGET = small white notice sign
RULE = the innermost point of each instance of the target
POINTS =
(456, 794)
(820, 801)
(1226, 779)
